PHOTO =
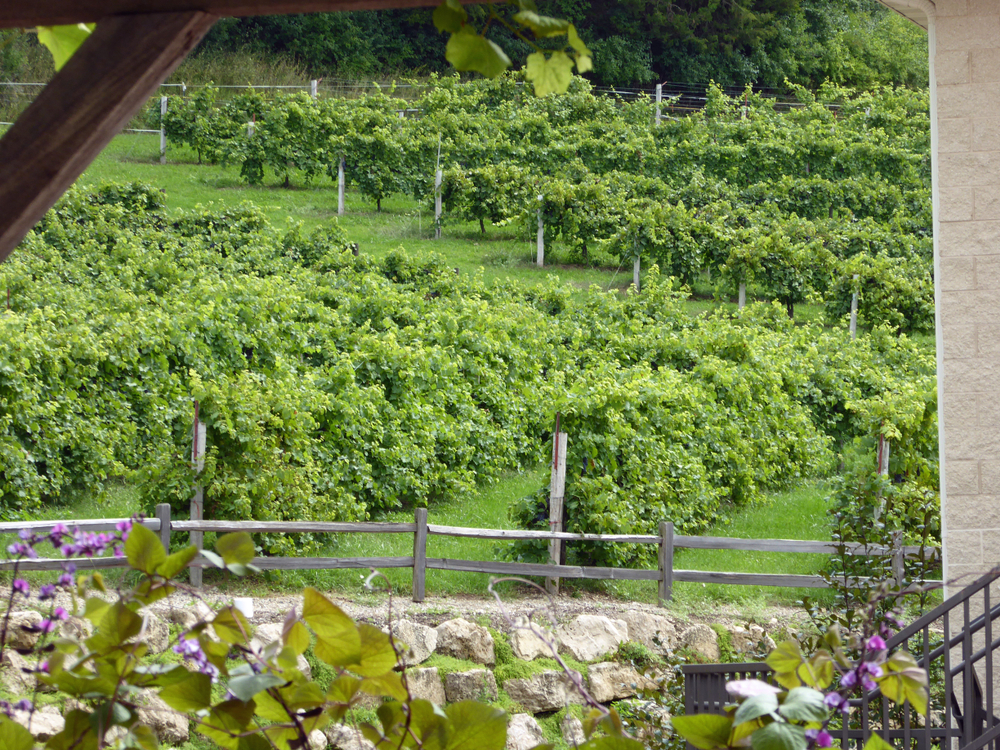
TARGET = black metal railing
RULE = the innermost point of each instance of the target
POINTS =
(955, 642)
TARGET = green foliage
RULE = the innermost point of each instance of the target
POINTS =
(236, 692)
(793, 205)
(852, 42)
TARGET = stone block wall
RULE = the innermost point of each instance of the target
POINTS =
(965, 72)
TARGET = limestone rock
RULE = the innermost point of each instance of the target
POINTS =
(523, 732)
(647, 629)
(155, 632)
(42, 725)
(15, 679)
(344, 737)
(546, 691)
(17, 636)
(589, 637)
(421, 640)
(463, 640)
(425, 684)
(474, 685)
(526, 644)
(572, 731)
(186, 616)
(611, 681)
(169, 726)
(702, 640)
(317, 740)
(77, 628)
(740, 638)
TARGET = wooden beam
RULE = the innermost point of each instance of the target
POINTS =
(18, 14)
(90, 100)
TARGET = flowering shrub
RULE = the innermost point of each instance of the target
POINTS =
(267, 702)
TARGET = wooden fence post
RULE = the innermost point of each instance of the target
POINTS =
(743, 295)
(163, 513)
(898, 567)
(340, 187)
(635, 272)
(314, 89)
(666, 562)
(163, 130)
(198, 501)
(557, 492)
(420, 554)
(659, 99)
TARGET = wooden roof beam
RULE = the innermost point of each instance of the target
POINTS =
(18, 14)
(83, 107)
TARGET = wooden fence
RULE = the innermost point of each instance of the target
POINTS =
(665, 574)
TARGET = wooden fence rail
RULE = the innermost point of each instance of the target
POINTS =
(665, 574)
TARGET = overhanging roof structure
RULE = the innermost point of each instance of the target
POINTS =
(27, 13)
(918, 11)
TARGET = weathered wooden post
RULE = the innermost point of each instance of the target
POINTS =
(666, 560)
(557, 492)
(743, 295)
(314, 89)
(635, 272)
(163, 514)
(659, 100)
(898, 565)
(163, 130)
(198, 435)
(420, 554)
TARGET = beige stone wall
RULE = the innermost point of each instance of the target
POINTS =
(965, 60)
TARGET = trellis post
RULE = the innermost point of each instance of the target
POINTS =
(198, 435)
(163, 130)
(557, 492)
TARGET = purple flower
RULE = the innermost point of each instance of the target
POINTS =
(47, 625)
(191, 649)
(849, 679)
(58, 532)
(820, 737)
(20, 549)
(23, 705)
(21, 586)
(44, 666)
(875, 643)
(870, 667)
(119, 552)
(60, 614)
(837, 702)
(25, 535)
(66, 579)
(47, 591)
